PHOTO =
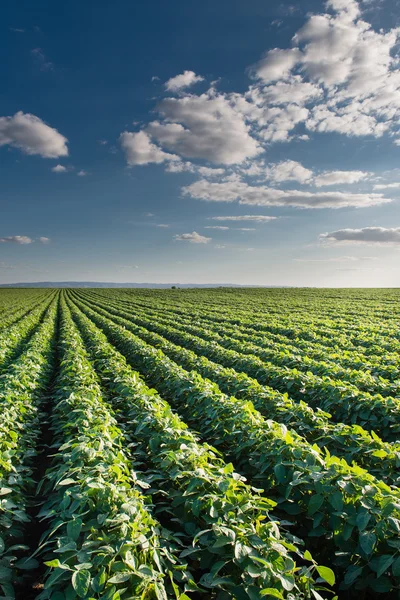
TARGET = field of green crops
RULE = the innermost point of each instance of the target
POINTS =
(199, 444)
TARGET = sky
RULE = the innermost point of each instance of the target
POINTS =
(251, 142)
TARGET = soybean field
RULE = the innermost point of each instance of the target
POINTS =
(199, 444)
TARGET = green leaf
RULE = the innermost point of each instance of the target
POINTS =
(67, 481)
(74, 528)
(327, 574)
(362, 520)
(27, 564)
(120, 577)
(367, 542)
(307, 556)
(2, 545)
(396, 568)
(315, 503)
(81, 582)
(352, 574)
(384, 563)
(271, 592)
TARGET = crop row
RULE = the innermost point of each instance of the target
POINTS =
(299, 329)
(102, 540)
(348, 441)
(21, 392)
(345, 513)
(367, 373)
(346, 403)
(232, 539)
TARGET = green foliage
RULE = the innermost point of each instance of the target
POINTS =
(323, 492)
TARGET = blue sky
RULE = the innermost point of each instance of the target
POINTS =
(244, 142)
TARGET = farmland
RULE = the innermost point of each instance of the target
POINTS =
(199, 444)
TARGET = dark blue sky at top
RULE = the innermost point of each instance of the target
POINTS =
(103, 57)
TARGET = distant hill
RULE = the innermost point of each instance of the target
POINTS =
(110, 284)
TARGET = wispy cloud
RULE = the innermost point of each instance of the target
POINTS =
(337, 259)
(41, 60)
(244, 193)
(16, 239)
(371, 236)
(258, 218)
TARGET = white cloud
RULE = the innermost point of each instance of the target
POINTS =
(16, 239)
(245, 229)
(31, 135)
(205, 126)
(59, 169)
(162, 225)
(210, 172)
(386, 186)
(342, 65)
(293, 91)
(337, 177)
(221, 227)
(219, 246)
(193, 238)
(184, 80)
(276, 64)
(336, 259)
(258, 218)
(368, 236)
(339, 75)
(44, 240)
(148, 214)
(179, 166)
(288, 170)
(139, 150)
(266, 196)
(82, 173)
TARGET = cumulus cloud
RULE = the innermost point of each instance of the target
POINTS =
(210, 172)
(258, 218)
(59, 169)
(276, 64)
(266, 196)
(368, 235)
(31, 135)
(193, 238)
(338, 177)
(184, 80)
(44, 240)
(339, 75)
(82, 173)
(139, 149)
(339, 62)
(288, 170)
(16, 239)
(206, 127)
